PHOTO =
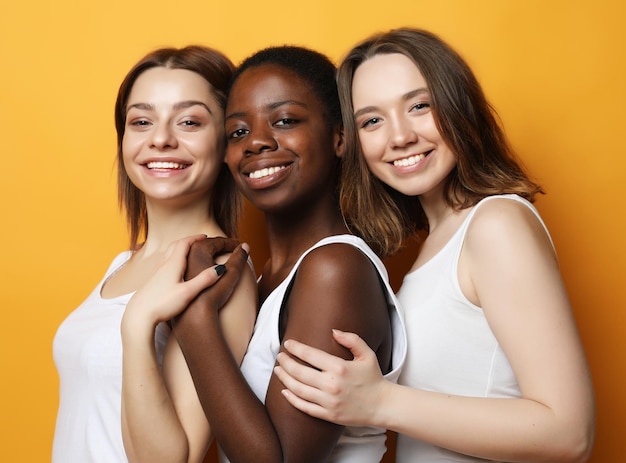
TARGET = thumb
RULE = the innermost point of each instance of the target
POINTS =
(238, 259)
(354, 343)
(208, 277)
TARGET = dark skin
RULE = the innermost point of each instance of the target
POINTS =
(278, 121)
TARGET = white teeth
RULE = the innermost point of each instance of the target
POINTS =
(265, 172)
(411, 160)
(165, 165)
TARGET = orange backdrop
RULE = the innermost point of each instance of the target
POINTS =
(554, 71)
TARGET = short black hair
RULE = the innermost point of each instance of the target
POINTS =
(311, 66)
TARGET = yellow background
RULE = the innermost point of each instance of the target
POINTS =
(555, 71)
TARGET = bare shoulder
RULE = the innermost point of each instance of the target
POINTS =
(341, 282)
(247, 279)
(337, 286)
(337, 261)
(505, 222)
(503, 212)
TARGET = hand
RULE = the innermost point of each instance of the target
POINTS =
(165, 294)
(346, 392)
(203, 253)
(215, 296)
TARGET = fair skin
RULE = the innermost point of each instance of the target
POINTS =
(553, 419)
(172, 150)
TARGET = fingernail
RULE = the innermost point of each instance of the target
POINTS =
(220, 269)
(246, 248)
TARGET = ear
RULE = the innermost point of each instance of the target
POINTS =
(339, 141)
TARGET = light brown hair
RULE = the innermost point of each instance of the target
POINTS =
(486, 164)
(217, 70)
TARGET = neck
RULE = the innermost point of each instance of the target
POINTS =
(170, 223)
(437, 210)
(290, 233)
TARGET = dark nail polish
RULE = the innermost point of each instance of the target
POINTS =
(220, 269)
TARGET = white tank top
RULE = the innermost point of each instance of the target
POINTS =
(357, 444)
(87, 351)
(451, 348)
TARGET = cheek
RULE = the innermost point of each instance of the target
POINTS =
(208, 148)
(429, 128)
(126, 158)
(130, 145)
(450, 161)
(372, 146)
(374, 167)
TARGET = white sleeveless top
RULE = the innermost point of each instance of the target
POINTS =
(451, 348)
(357, 444)
(87, 351)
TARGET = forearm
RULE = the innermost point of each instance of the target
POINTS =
(238, 419)
(151, 429)
(516, 430)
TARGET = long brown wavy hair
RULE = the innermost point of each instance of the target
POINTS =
(486, 164)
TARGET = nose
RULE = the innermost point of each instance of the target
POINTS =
(403, 133)
(259, 141)
(163, 137)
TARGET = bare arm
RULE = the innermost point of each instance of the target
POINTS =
(321, 298)
(528, 310)
(162, 419)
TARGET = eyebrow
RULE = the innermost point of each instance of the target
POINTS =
(271, 107)
(405, 97)
(177, 106)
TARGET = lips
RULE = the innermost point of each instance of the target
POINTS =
(411, 160)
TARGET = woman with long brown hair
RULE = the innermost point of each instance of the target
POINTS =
(126, 393)
(495, 369)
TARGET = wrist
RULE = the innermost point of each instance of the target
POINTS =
(135, 327)
(383, 411)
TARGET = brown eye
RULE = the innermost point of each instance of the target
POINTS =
(139, 123)
(287, 121)
(237, 133)
(420, 107)
(190, 123)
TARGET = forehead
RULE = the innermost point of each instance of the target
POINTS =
(385, 76)
(165, 84)
(269, 83)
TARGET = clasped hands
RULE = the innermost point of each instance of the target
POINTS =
(188, 273)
